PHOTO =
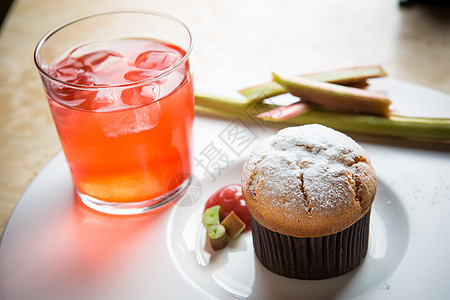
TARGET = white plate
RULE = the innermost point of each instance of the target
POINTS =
(236, 271)
(55, 248)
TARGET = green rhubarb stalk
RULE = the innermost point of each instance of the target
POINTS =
(395, 126)
(336, 97)
(355, 77)
(263, 91)
(217, 102)
(348, 76)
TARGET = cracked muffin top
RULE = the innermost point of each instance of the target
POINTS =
(308, 181)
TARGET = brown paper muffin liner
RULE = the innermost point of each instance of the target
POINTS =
(312, 258)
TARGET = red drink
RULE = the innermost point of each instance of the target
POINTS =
(126, 131)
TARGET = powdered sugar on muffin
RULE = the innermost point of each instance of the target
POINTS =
(308, 181)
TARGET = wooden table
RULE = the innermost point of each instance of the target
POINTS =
(233, 39)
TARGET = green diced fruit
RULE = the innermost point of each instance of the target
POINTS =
(211, 216)
(233, 225)
(217, 236)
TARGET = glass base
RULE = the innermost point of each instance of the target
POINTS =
(132, 208)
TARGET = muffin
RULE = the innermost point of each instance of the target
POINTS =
(309, 190)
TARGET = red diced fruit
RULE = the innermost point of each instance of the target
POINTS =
(230, 198)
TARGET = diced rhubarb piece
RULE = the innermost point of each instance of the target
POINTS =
(233, 225)
(211, 216)
(217, 235)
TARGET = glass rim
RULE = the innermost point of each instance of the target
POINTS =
(61, 26)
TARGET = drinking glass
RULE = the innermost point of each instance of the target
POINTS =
(119, 86)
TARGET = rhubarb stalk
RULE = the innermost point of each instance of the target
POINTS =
(336, 97)
(283, 113)
(355, 77)
(394, 126)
